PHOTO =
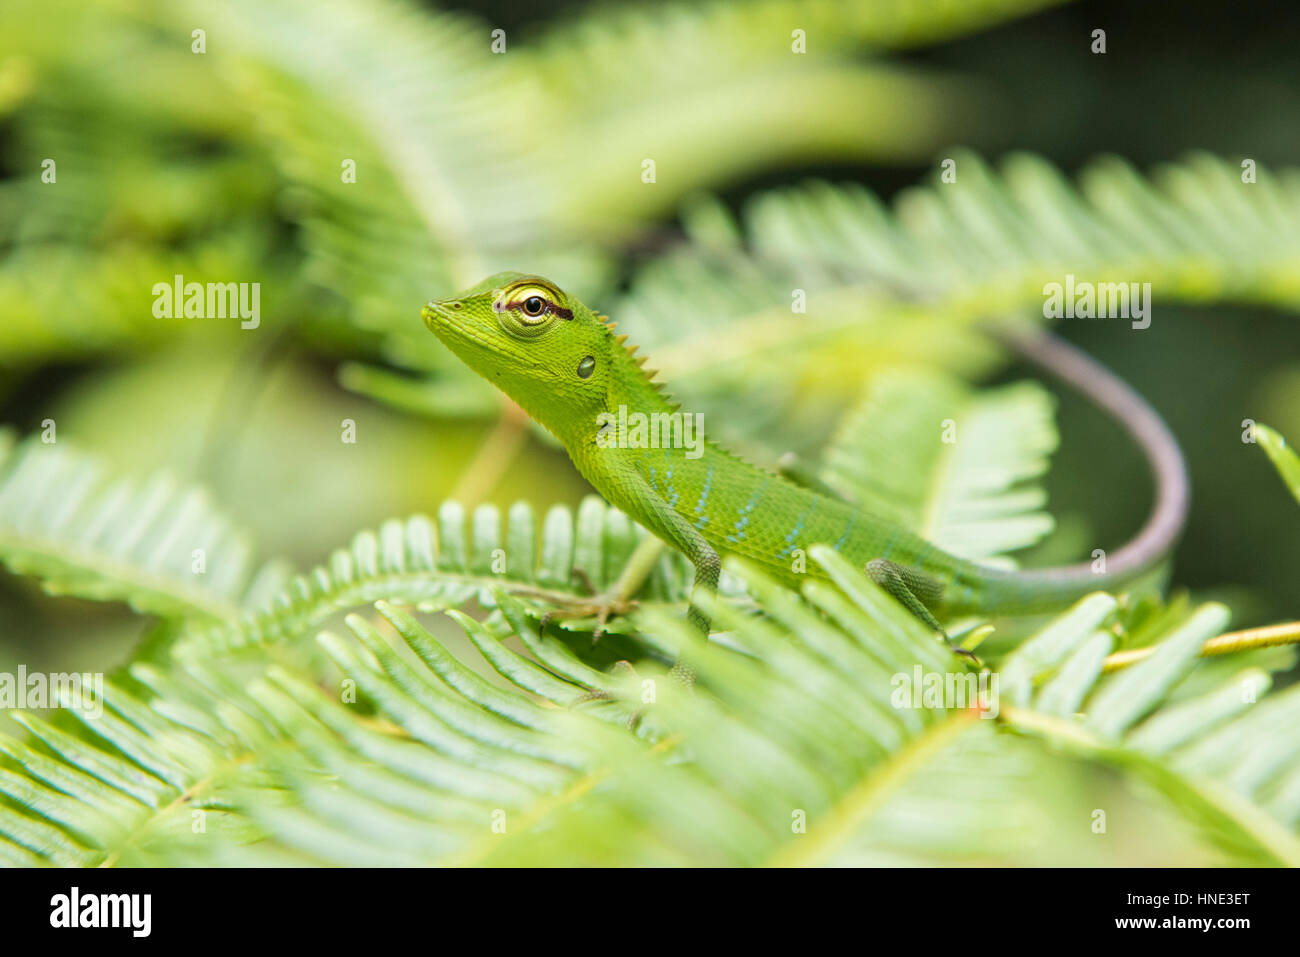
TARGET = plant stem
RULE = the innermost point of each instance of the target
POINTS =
(1287, 633)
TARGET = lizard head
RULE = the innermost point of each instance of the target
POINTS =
(542, 347)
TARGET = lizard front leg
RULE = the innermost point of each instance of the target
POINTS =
(629, 489)
(678, 532)
(618, 598)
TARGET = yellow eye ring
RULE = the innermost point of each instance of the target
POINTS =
(528, 309)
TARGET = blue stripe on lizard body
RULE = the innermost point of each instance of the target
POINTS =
(703, 519)
(889, 545)
(847, 529)
(743, 515)
(792, 536)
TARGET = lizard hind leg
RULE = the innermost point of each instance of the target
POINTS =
(911, 589)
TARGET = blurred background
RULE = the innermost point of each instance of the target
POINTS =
(229, 164)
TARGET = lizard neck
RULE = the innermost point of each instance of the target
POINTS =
(633, 407)
(632, 387)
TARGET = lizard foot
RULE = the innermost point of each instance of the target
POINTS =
(599, 605)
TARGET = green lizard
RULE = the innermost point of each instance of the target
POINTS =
(564, 365)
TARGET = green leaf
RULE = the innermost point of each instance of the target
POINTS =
(443, 564)
(156, 545)
(1127, 696)
(905, 283)
(1282, 456)
(399, 753)
(955, 465)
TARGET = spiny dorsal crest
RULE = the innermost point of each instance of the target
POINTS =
(638, 361)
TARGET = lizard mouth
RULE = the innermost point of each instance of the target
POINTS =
(435, 315)
(459, 332)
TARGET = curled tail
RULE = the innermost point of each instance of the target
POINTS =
(1164, 458)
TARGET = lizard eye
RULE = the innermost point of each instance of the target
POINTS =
(528, 310)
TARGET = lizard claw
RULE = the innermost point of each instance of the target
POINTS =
(602, 607)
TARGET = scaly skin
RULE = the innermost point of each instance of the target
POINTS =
(565, 367)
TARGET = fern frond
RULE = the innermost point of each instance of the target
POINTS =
(72, 301)
(83, 251)
(434, 764)
(164, 549)
(1207, 754)
(452, 184)
(909, 279)
(159, 547)
(955, 465)
(435, 565)
(682, 84)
